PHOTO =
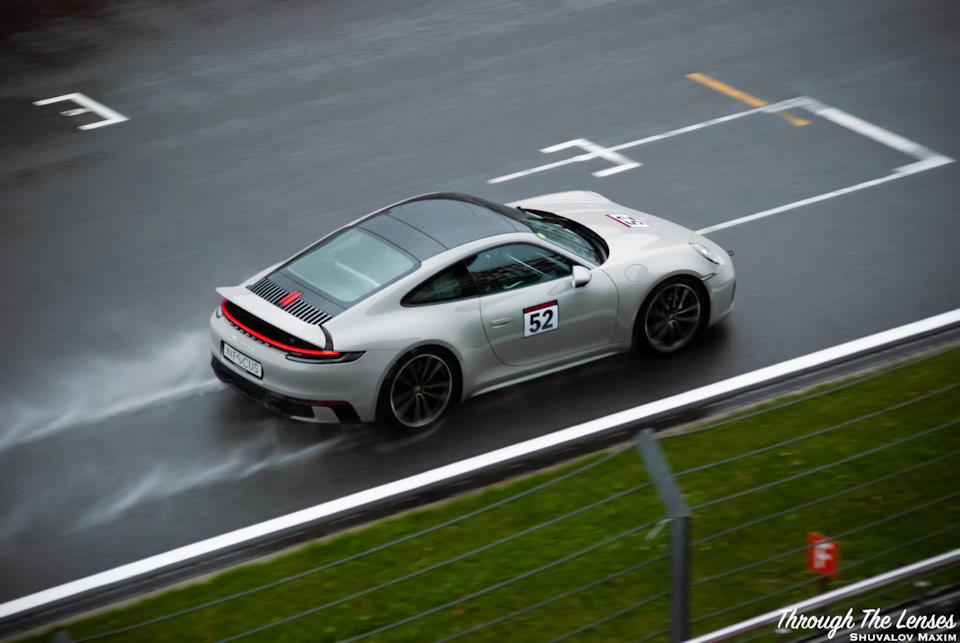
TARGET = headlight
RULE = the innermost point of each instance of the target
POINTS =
(705, 253)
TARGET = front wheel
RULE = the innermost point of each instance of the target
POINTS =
(419, 390)
(672, 316)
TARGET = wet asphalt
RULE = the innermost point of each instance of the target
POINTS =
(255, 128)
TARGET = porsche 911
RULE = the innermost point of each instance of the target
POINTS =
(406, 311)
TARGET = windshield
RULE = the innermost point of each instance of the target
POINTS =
(570, 235)
(351, 265)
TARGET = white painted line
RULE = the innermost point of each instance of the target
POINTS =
(577, 142)
(541, 168)
(798, 204)
(619, 168)
(477, 463)
(926, 164)
(926, 159)
(869, 130)
(110, 116)
(794, 102)
(619, 161)
(776, 107)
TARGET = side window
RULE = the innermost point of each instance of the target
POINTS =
(515, 266)
(453, 283)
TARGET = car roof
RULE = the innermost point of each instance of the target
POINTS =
(427, 225)
(424, 226)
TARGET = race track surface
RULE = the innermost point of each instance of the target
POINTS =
(253, 130)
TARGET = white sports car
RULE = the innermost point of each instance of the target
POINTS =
(404, 312)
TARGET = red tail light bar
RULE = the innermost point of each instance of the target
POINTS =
(273, 342)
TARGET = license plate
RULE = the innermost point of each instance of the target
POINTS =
(248, 364)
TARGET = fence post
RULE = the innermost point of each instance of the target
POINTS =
(679, 513)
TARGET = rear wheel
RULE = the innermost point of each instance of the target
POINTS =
(672, 316)
(419, 390)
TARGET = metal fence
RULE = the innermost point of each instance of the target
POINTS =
(923, 603)
(617, 566)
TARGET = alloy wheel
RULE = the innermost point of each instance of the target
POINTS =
(673, 318)
(421, 390)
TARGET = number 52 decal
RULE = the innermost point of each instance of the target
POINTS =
(541, 318)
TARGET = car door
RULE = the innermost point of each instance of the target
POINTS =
(532, 312)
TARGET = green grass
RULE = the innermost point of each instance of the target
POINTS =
(865, 549)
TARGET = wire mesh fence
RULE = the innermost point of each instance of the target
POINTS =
(928, 616)
(582, 553)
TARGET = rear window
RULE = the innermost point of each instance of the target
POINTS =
(351, 265)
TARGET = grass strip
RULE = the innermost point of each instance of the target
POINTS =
(885, 467)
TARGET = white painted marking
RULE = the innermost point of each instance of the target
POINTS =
(614, 170)
(926, 164)
(926, 159)
(776, 107)
(110, 116)
(643, 141)
(798, 204)
(869, 130)
(477, 463)
(620, 161)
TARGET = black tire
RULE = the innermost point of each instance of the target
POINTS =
(419, 390)
(672, 316)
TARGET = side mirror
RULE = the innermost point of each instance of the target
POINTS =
(581, 276)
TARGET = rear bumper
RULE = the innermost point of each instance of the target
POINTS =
(291, 407)
(354, 384)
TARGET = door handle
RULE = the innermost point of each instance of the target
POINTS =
(503, 321)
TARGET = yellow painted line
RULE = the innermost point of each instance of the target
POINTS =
(723, 88)
(743, 97)
(793, 120)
